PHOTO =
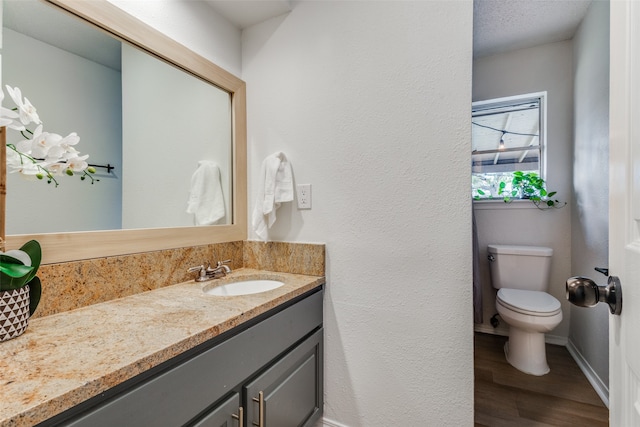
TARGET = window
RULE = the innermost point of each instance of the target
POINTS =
(507, 136)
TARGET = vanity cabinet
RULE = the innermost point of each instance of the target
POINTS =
(286, 394)
(229, 413)
(267, 374)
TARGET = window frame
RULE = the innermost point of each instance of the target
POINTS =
(542, 137)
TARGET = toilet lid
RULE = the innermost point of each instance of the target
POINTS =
(528, 302)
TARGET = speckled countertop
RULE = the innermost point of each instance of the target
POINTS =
(67, 358)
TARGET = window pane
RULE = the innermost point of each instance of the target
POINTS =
(522, 160)
(505, 138)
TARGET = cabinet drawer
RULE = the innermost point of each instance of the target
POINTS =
(176, 396)
(291, 390)
(227, 414)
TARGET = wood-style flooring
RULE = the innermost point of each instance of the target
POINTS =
(506, 397)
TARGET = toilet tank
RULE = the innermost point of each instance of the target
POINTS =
(520, 267)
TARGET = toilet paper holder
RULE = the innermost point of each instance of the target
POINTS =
(584, 292)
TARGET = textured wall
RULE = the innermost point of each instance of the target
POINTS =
(589, 332)
(371, 101)
(543, 68)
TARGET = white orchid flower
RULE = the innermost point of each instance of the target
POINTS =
(46, 145)
(56, 168)
(29, 169)
(78, 164)
(70, 140)
(5, 122)
(8, 117)
(42, 154)
(14, 162)
(27, 112)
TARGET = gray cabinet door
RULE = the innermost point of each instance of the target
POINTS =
(291, 389)
(226, 414)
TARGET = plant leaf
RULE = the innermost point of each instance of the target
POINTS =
(33, 249)
(15, 270)
(13, 273)
(35, 292)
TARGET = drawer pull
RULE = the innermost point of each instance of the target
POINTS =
(239, 417)
(260, 401)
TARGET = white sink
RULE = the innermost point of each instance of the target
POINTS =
(244, 287)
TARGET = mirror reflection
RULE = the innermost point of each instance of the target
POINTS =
(153, 122)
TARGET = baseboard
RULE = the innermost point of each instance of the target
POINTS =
(325, 422)
(488, 329)
(548, 338)
(598, 385)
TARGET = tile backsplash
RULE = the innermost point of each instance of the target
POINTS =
(70, 285)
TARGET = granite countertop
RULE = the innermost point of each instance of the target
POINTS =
(67, 358)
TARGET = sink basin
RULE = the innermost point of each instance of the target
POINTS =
(244, 287)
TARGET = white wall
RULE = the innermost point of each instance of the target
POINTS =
(543, 68)
(371, 101)
(72, 94)
(195, 25)
(589, 333)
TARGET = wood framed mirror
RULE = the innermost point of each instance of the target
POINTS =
(70, 246)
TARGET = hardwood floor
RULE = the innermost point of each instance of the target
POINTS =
(506, 397)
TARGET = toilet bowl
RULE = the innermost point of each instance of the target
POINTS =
(521, 276)
(529, 314)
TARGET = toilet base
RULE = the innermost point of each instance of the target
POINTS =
(526, 351)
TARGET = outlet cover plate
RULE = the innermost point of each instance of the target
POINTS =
(303, 193)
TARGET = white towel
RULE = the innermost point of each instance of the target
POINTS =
(275, 187)
(206, 200)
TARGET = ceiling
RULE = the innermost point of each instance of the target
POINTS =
(498, 25)
(504, 25)
(45, 23)
(245, 13)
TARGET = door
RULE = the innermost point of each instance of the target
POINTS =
(624, 211)
(289, 393)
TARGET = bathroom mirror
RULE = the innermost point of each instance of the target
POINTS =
(230, 155)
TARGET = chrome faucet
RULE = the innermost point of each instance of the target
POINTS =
(208, 273)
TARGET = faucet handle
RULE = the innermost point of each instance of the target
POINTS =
(202, 272)
(197, 268)
(222, 265)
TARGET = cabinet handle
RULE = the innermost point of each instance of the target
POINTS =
(239, 417)
(260, 401)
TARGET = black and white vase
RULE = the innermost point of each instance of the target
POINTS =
(14, 312)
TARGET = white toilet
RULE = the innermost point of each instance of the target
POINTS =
(521, 275)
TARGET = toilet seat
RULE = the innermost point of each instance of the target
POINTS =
(533, 303)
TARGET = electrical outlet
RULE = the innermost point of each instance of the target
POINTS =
(304, 196)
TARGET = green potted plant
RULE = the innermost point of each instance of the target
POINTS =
(529, 185)
(20, 288)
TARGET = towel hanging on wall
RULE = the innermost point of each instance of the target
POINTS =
(275, 186)
(206, 200)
